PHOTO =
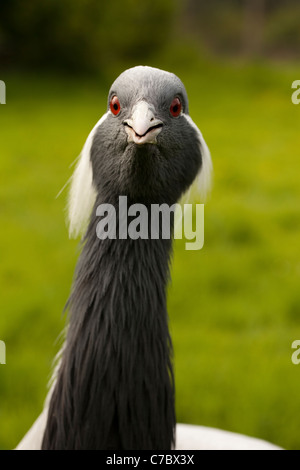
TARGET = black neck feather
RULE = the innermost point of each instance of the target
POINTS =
(115, 387)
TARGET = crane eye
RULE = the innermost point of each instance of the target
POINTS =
(115, 106)
(176, 106)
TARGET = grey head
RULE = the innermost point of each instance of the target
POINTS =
(145, 147)
(146, 94)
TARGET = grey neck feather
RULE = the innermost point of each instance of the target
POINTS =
(115, 387)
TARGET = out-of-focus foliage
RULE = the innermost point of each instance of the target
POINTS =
(93, 35)
(283, 33)
(82, 35)
(259, 27)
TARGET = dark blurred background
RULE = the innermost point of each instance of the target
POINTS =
(234, 305)
(90, 35)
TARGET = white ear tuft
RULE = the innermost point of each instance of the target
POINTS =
(82, 194)
(200, 188)
(202, 183)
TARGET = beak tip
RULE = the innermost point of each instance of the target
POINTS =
(143, 127)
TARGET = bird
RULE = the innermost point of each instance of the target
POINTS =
(113, 382)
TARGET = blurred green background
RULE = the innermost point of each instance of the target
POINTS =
(234, 306)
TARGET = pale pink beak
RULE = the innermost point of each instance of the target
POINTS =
(143, 127)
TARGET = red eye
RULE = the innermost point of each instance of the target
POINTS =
(175, 108)
(115, 106)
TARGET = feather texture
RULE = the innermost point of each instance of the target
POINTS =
(82, 194)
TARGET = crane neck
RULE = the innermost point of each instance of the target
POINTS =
(115, 387)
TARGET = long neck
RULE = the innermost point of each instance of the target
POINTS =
(115, 387)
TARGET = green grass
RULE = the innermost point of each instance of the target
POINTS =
(234, 306)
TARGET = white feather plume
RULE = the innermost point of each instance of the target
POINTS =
(202, 183)
(200, 188)
(82, 194)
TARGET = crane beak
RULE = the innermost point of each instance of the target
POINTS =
(142, 127)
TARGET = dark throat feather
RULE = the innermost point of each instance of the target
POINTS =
(115, 386)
